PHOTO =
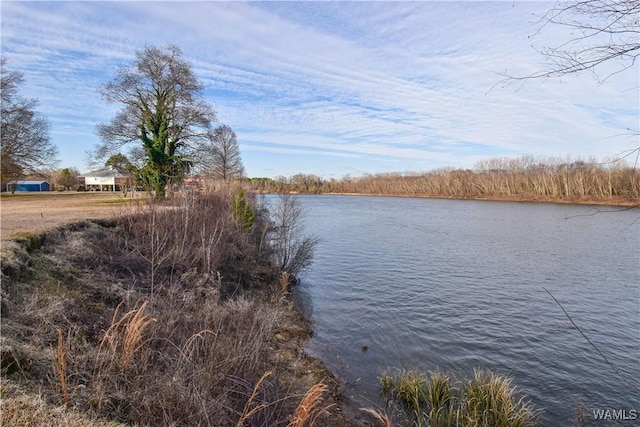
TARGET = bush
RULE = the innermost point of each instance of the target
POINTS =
(292, 251)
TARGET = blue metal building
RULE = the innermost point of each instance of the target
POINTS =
(29, 186)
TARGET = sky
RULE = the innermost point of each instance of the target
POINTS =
(332, 88)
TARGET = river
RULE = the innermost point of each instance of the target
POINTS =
(457, 284)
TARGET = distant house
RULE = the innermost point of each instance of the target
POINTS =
(107, 179)
(28, 186)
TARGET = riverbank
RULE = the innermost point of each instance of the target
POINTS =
(97, 331)
(614, 201)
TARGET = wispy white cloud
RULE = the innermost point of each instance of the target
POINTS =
(370, 86)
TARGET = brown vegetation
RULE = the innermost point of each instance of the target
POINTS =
(168, 314)
(524, 178)
(32, 213)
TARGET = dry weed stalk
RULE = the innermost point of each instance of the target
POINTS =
(191, 347)
(380, 416)
(126, 335)
(282, 288)
(308, 407)
(60, 368)
(246, 413)
(285, 283)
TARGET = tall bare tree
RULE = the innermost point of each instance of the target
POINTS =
(24, 135)
(162, 110)
(221, 155)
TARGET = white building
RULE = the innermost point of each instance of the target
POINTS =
(107, 179)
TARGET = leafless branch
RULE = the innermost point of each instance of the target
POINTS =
(602, 31)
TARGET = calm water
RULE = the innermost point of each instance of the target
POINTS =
(450, 284)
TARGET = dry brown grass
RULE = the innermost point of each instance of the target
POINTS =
(247, 412)
(27, 409)
(282, 288)
(380, 416)
(31, 213)
(125, 336)
(307, 410)
(86, 330)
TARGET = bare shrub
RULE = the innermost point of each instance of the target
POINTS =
(292, 250)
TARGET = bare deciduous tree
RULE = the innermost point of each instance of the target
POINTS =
(221, 155)
(163, 110)
(24, 133)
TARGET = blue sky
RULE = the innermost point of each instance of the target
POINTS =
(331, 88)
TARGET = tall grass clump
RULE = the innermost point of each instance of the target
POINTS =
(490, 400)
(425, 399)
(433, 399)
(60, 368)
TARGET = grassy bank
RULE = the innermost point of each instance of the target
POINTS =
(169, 314)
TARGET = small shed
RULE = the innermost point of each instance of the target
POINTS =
(28, 186)
(107, 179)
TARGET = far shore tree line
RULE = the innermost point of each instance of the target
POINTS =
(523, 178)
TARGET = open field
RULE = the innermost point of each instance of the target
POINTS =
(27, 213)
